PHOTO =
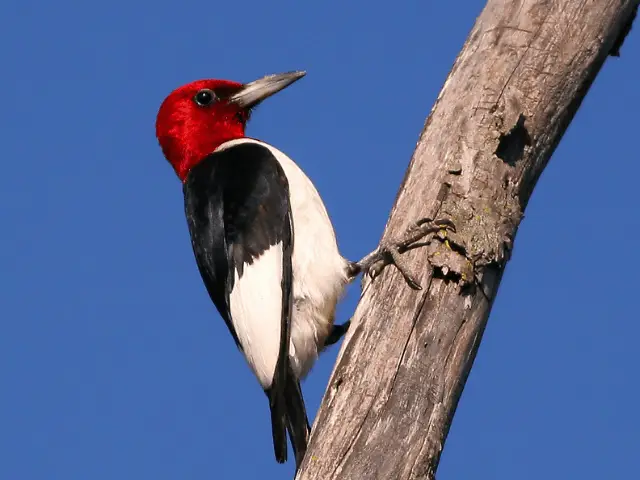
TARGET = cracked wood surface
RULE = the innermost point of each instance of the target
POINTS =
(512, 92)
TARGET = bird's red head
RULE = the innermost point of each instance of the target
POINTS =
(197, 118)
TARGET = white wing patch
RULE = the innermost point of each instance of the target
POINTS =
(256, 309)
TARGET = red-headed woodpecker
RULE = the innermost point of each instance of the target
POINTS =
(262, 239)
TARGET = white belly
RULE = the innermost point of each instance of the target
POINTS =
(319, 271)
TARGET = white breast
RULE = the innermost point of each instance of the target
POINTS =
(319, 271)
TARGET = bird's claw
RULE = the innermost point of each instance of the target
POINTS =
(337, 332)
(390, 255)
(391, 252)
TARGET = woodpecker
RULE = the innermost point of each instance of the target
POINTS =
(263, 241)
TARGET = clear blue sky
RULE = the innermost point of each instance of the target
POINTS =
(113, 362)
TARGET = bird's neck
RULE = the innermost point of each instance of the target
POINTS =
(191, 154)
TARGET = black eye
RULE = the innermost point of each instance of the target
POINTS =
(204, 97)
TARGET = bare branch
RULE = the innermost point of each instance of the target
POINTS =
(513, 90)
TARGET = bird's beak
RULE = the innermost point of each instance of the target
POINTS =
(253, 93)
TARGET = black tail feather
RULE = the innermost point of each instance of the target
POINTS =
(278, 408)
(297, 421)
(288, 413)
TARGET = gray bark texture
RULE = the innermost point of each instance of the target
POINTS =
(511, 94)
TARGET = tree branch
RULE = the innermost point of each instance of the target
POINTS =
(513, 90)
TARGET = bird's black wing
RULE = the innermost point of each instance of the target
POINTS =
(203, 195)
(237, 206)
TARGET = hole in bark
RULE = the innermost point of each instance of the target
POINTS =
(446, 274)
(338, 384)
(511, 146)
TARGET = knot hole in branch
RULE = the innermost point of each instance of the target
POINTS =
(511, 146)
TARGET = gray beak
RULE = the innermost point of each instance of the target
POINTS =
(253, 93)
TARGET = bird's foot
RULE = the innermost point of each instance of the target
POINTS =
(389, 252)
(337, 332)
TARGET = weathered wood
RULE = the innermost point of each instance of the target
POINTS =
(514, 88)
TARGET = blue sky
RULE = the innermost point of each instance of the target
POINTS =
(113, 362)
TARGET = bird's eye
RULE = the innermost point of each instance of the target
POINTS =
(204, 97)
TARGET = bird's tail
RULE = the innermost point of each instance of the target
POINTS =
(278, 427)
(288, 413)
(297, 421)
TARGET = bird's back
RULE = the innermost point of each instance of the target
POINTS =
(319, 271)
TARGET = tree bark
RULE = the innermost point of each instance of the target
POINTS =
(511, 94)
